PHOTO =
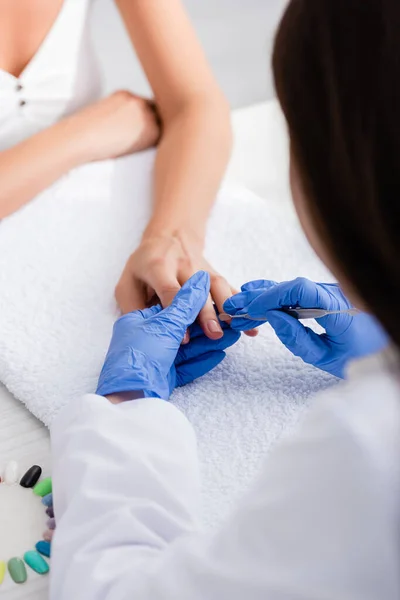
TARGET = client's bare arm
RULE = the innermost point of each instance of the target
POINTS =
(119, 124)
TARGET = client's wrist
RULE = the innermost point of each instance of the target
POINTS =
(75, 146)
(187, 236)
(120, 397)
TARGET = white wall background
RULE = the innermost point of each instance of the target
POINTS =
(236, 34)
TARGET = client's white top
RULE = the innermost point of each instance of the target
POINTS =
(322, 520)
(62, 77)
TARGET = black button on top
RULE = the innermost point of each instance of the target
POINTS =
(19, 87)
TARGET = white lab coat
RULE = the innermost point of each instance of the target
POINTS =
(320, 522)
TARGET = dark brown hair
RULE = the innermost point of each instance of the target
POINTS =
(337, 73)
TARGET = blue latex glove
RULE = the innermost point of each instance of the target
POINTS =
(346, 337)
(145, 352)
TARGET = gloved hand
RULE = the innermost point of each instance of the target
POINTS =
(346, 337)
(145, 352)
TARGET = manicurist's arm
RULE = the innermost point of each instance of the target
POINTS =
(191, 158)
(126, 488)
(126, 472)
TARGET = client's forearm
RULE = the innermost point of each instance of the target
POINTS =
(31, 166)
(190, 164)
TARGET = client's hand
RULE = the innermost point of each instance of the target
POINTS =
(346, 337)
(156, 271)
(119, 124)
(145, 352)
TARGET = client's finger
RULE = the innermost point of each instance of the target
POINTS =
(220, 292)
(164, 283)
(209, 321)
(130, 294)
(196, 331)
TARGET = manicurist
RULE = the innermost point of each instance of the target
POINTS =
(322, 519)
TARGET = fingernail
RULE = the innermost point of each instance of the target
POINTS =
(214, 327)
(186, 338)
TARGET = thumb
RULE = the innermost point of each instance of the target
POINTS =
(259, 284)
(300, 340)
(188, 302)
(240, 301)
(299, 292)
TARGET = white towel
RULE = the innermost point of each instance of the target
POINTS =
(60, 258)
